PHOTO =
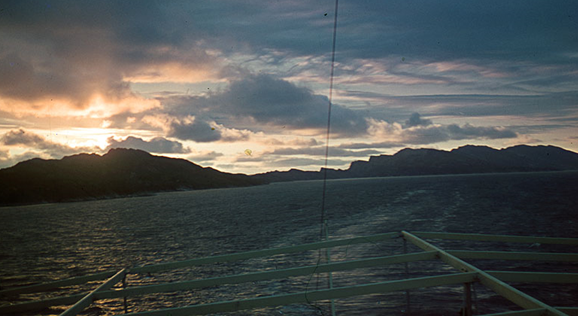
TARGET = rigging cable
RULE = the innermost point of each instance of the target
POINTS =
(323, 224)
(321, 233)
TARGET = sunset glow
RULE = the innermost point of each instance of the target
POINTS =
(209, 81)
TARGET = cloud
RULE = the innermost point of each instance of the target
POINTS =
(235, 135)
(267, 101)
(289, 163)
(191, 128)
(32, 140)
(140, 121)
(5, 159)
(395, 136)
(272, 101)
(467, 131)
(387, 144)
(34, 146)
(320, 151)
(544, 105)
(423, 131)
(416, 120)
(442, 31)
(21, 137)
(548, 106)
(296, 142)
(204, 156)
(270, 68)
(71, 51)
(441, 133)
(154, 145)
(203, 131)
(8, 160)
(76, 55)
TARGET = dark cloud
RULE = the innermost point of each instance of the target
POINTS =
(396, 135)
(194, 129)
(427, 135)
(441, 133)
(431, 134)
(498, 58)
(74, 50)
(32, 140)
(266, 100)
(154, 145)
(21, 137)
(416, 120)
(444, 30)
(550, 105)
(546, 105)
(21, 80)
(115, 40)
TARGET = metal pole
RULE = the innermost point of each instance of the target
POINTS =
(124, 297)
(467, 309)
(328, 253)
(88, 299)
(407, 297)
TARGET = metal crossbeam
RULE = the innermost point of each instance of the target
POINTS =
(492, 279)
(57, 284)
(88, 299)
(501, 238)
(268, 275)
(572, 311)
(527, 312)
(41, 304)
(514, 255)
(535, 277)
(519, 298)
(312, 296)
(262, 253)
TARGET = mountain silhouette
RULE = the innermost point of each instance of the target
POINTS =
(129, 172)
(120, 172)
(466, 159)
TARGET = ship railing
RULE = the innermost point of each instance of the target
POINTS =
(466, 274)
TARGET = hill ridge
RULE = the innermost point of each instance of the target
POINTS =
(118, 173)
(461, 160)
(127, 172)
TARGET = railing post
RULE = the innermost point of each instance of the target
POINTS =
(328, 253)
(124, 299)
(467, 309)
(89, 298)
(407, 296)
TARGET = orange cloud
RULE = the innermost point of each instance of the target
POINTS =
(95, 107)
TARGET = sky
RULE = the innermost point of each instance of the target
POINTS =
(243, 86)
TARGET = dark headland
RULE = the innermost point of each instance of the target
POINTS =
(129, 172)
(118, 173)
(463, 160)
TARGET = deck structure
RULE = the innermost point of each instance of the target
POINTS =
(464, 274)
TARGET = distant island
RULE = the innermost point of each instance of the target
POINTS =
(130, 172)
(118, 173)
(463, 160)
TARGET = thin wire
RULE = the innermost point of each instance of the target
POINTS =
(321, 233)
(331, 75)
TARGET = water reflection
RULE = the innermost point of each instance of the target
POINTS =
(48, 242)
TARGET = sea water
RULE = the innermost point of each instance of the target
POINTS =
(41, 243)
